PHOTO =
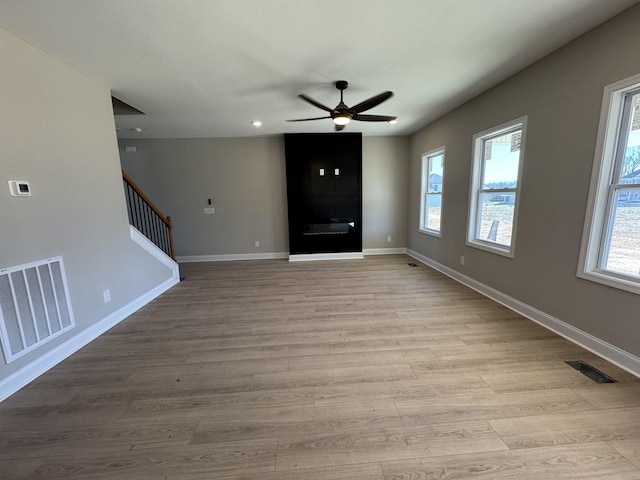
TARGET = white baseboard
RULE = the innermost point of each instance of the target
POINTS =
(312, 257)
(384, 251)
(609, 352)
(293, 258)
(231, 257)
(28, 373)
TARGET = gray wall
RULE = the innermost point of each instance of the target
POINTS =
(561, 94)
(246, 180)
(385, 168)
(57, 132)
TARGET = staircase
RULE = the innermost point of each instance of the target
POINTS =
(147, 218)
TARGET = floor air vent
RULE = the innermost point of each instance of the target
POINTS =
(34, 306)
(594, 374)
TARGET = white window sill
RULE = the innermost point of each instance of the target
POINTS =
(610, 280)
(489, 247)
(432, 233)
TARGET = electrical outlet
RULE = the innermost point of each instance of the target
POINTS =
(389, 239)
(257, 243)
(461, 260)
(106, 295)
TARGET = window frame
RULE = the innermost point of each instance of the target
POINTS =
(607, 162)
(476, 190)
(424, 191)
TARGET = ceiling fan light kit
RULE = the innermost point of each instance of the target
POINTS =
(342, 114)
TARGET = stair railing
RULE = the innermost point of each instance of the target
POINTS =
(146, 217)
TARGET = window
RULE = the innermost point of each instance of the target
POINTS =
(610, 251)
(431, 196)
(493, 209)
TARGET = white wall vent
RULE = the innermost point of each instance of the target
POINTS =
(34, 306)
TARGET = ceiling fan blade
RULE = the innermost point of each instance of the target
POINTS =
(372, 102)
(339, 127)
(373, 118)
(307, 119)
(315, 103)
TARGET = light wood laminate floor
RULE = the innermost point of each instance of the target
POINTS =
(361, 370)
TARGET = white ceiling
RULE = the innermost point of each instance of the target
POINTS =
(207, 68)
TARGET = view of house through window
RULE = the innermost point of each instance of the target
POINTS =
(621, 246)
(431, 198)
(497, 155)
(610, 251)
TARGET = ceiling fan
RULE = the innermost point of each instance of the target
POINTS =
(342, 114)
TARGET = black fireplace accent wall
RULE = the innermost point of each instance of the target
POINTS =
(324, 192)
